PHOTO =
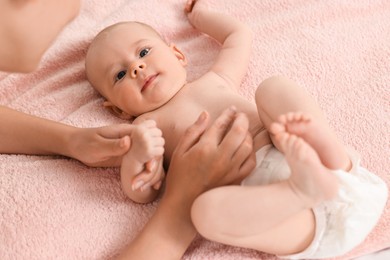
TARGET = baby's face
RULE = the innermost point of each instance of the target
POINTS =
(134, 69)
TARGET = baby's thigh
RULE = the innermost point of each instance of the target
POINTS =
(211, 211)
(229, 211)
(279, 95)
(231, 215)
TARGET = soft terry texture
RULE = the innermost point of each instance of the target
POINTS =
(57, 208)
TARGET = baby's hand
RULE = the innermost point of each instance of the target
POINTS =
(152, 176)
(146, 142)
(189, 6)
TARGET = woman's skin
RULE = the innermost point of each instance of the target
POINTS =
(207, 156)
(21, 49)
(204, 159)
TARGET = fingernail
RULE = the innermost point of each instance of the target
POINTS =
(123, 141)
(137, 185)
(153, 165)
(233, 108)
(146, 186)
(201, 118)
(157, 186)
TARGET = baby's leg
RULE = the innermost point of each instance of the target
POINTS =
(273, 218)
(281, 100)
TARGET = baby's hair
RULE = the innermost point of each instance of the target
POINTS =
(150, 28)
(110, 27)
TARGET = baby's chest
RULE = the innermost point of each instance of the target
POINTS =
(175, 118)
(174, 123)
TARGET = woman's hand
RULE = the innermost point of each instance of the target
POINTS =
(208, 158)
(101, 146)
(203, 159)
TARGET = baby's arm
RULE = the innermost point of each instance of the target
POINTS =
(144, 157)
(236, 39)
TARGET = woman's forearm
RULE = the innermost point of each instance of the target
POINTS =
(21, 133)
(26, 134)
(167, 235)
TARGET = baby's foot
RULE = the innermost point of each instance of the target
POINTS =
(298, 124)
(318, 135)
(309, 179)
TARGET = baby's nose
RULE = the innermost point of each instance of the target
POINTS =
(136, 68)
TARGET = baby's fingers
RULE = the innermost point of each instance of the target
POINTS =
(142, 181)
(153, 174)
(157, 185)
(158, 176)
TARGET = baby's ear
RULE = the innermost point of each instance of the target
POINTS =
(117, 111)
(179, 54)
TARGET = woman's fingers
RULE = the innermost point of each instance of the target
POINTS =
(237, 133)
(218, 129)
(193, 133)
(244, 158)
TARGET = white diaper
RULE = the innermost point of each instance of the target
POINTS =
(342, 223)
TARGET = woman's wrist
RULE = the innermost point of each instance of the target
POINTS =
(70, 142)
(177, 212)
(169, 232)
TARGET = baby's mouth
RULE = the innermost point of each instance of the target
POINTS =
(149, 80)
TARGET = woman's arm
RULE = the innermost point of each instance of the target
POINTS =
(21, 133)
(204, 159)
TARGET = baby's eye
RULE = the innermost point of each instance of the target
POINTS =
(120, 75)
(144, 52)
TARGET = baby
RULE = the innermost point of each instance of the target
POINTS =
(307, 197)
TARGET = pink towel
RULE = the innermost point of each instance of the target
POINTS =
(56, 208)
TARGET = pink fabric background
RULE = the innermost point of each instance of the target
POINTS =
(56, 208)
